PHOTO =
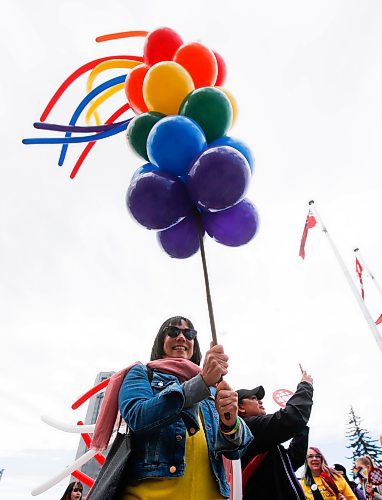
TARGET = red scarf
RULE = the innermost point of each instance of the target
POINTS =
(184, 369)
(329, 484)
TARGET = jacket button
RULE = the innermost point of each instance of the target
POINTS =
(160, 384)
(192, 430)
(178, 437)
(172, 469)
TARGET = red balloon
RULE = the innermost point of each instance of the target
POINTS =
(222, 69)
(161, 45)
(133, 88)
(200, 62)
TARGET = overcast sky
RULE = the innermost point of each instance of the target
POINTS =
(85, 289)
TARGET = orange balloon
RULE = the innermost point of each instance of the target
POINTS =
(233, 102)
(200, 62)
(133, 88)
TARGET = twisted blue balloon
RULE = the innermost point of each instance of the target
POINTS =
(70, 140)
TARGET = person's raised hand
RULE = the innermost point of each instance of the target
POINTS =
(306, 378)
(215, 365)
(226, 403)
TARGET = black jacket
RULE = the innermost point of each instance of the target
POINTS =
(274, 479)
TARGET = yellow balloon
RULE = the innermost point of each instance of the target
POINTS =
(165, 86)
(233, 102)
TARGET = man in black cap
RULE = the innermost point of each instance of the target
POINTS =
(268, 468)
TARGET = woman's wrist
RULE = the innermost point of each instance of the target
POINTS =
(229, 429)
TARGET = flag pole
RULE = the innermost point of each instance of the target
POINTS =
(345, 270)
(362, 260)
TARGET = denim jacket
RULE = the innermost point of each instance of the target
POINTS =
(158, 420)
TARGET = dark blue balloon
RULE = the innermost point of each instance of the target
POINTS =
(218, 179)
(237, 144)
(174, 143)
(158, 200)
(147, 167)
(182, 240)
(233, 227)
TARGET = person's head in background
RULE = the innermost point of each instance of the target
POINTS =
(363, 465)
(341, 469)
(365, 461)
(316, 464)
(73, 491)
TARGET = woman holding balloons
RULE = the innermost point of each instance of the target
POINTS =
(181, 425)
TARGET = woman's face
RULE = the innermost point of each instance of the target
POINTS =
(359, 463)
(314, 461)
(76, 493)
(178, 347)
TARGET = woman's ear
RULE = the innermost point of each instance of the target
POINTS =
(241, 410)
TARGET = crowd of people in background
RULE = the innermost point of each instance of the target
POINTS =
(188, 423)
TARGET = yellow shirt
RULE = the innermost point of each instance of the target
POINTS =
(342, 485)
(197, 483)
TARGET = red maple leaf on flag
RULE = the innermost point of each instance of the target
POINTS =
(309, 224)
(359, 270)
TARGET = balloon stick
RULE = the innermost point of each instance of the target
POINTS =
(206, 282)
(302, 371)
(345, 270)
(208, 293)
(362, 260)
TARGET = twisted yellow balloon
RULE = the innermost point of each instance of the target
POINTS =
(103, 66)
(95, 103)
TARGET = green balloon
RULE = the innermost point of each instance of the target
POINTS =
(211, 109)
(139, 129)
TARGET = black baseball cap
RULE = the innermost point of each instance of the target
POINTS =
(247, 393)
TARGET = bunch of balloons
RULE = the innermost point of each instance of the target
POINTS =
(196, 176)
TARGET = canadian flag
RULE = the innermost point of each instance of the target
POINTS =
(359, 270)
(310, 222)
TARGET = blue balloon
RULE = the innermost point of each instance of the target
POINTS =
(174, 143)
(237, 144)
(147, 167)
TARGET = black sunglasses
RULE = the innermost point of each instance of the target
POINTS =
(174, 331)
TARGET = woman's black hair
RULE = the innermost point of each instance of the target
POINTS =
(342, 469)
(157, 351)
(69, 489)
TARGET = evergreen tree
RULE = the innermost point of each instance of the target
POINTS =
(361, 442)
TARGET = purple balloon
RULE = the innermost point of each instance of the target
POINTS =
(158, 200)
(218, 179)
(180, 241)
(232, 227)
(236, 144)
